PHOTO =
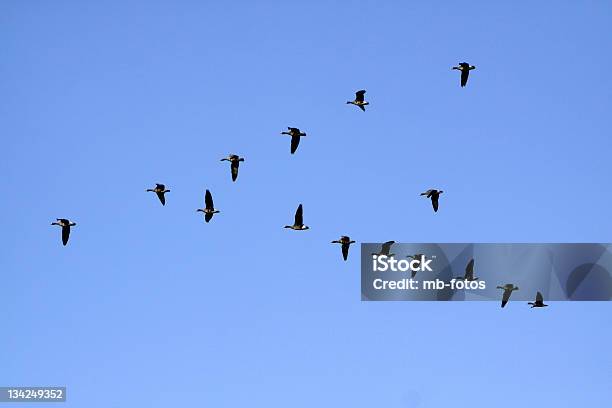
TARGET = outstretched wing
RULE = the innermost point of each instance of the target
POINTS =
(208, 217)
(234, 168)
(427, 193)
(295, 141)
(65, 234)
(506, 296)
(359, 95)
(299, 216)
(386, 247)
(464, 76)
(208, 201)
(434, 203)
(345, 249)
(162, 197)
(539, 298)
(469, 270)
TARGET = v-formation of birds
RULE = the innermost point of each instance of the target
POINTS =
(296, 134)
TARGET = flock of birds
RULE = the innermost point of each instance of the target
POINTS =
(468, 276)
(296, 134)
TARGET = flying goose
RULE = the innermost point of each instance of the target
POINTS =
(435, 196)
(418, 257)
(465, 69)
(539, 301)
(298, 224)
(295, 134)
(384, 250)
(65, 224)
(359, 100)
(469, 272)
(209, 210)
(346, 243)
(508, 289)
(234, 160)
(160, 190)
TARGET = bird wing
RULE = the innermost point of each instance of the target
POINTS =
(65, 233)
(434, 203)
(208, 201)
(469, 270)
(361, 107)
(234, 168)
(464, 76)
(299, 216)
(539, 298)
(345, 249)
(359, 95)
(208, 217)
(162, 197)
(295, 141)
(386, 247)
(506, 296)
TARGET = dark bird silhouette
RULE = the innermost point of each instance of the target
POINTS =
(417, 257)
(435, 196)
(346, 243)
(160, 190)
(384, 250)
(469, 272)
(65, 224)
(508, 289)
(234, 160)
(209, 209)
(465, 69)
(359, 100)
(298, 223)
(539, 301)
(295, 134)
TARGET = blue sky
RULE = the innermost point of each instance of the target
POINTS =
(150, 306)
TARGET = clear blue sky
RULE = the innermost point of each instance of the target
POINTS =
(148, 306)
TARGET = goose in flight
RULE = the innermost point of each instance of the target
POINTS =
(298, 224)
(465, 69)
(295, 134)
(435, 196)
(417, 257)
(234, 160)
(469, 272)
(508, 289)
(539, 301)
(209, 209)
(346, 243)
(385, 249)
(65, 224)
(160, 190)
(359, 100)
